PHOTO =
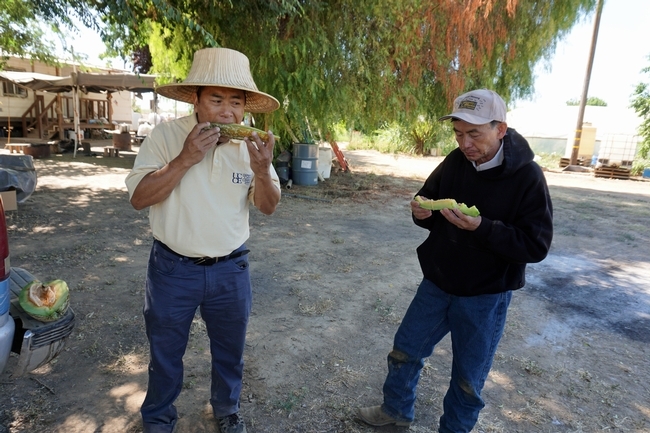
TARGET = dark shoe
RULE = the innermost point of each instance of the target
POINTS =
(232, 424)
(375, 416)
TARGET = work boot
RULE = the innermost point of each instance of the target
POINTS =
(231, 424)
(375, 416)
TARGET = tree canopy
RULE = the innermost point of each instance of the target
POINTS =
(641, 105)
(23, 25)
(364, 62)
(592, 100)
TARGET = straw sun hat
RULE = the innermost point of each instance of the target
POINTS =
(221, 67)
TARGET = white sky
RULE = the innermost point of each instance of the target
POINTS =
(622, 50)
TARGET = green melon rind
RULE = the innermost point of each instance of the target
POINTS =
(471, 211)
(237, 131)
(447, 203)
(46, 314)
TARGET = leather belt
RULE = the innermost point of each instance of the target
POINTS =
(204, 261)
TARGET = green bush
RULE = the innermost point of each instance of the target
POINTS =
(398, 139)
(388, 139)
(638, 165)
(340, 132)
(548, 160)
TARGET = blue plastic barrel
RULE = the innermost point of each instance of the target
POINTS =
(304, 164)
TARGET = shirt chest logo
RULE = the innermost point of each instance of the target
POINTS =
(242, 178)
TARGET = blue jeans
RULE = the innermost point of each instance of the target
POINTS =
(476, 324)
(175, 288)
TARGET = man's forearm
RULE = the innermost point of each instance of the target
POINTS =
(157, 185)
(267, 194)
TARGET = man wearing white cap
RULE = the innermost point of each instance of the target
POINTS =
(198, 185)
(471, 264)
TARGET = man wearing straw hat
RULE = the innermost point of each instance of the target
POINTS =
(198, 186)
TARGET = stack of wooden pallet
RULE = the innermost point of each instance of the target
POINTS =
(612, 172)
(564, 162)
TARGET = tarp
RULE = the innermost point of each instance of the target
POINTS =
(17, 172)
(84, 81)
(96, 83)
(36, 81)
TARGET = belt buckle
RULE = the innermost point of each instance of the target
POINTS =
(209, 261)
(204, 261)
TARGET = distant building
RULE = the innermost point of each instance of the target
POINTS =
(46, 115)
(610, 134)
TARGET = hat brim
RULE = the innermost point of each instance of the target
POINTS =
(256, 101)
(469, 118)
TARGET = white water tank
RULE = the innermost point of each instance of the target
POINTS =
(587, 142)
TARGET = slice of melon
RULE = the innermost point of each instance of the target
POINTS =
(444, 203)
(471, 211)
(447, 203)
(238, 132)
(46, 302)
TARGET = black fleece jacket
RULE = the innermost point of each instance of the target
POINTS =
(516, 222)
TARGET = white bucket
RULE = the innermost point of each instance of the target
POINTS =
(325, 161)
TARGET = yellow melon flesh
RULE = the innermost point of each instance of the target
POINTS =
(447, 203)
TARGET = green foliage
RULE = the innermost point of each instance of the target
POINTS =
(592, 100)
(21, 34)
(168, 68)
(339, 131)
(422, 133)
(331, 62)
(395, 138)
(441, 137)
(392, 139)
(363, 63)
(446, 143)
(638, 165)
(548, 160)
(641, 105)
(388, 139)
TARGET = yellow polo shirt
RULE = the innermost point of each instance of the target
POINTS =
(207, 213)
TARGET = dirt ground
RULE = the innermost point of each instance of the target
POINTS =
(333, 271)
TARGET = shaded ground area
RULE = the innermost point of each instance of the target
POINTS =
(333, 272)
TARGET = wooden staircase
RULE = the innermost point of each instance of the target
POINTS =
(49, 122)
(40, 120)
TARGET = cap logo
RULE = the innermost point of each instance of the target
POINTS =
(468, 105)
(478, 107)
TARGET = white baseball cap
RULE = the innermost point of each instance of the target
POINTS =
(478, 107)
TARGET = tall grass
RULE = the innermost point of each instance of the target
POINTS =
(548, 160)
(639, 165)
(398, 139)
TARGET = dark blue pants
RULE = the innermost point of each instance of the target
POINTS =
(175, 288)
(476, 324)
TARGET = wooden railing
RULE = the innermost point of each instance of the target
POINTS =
(88, 109)
(41, 118)
(32, 119)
